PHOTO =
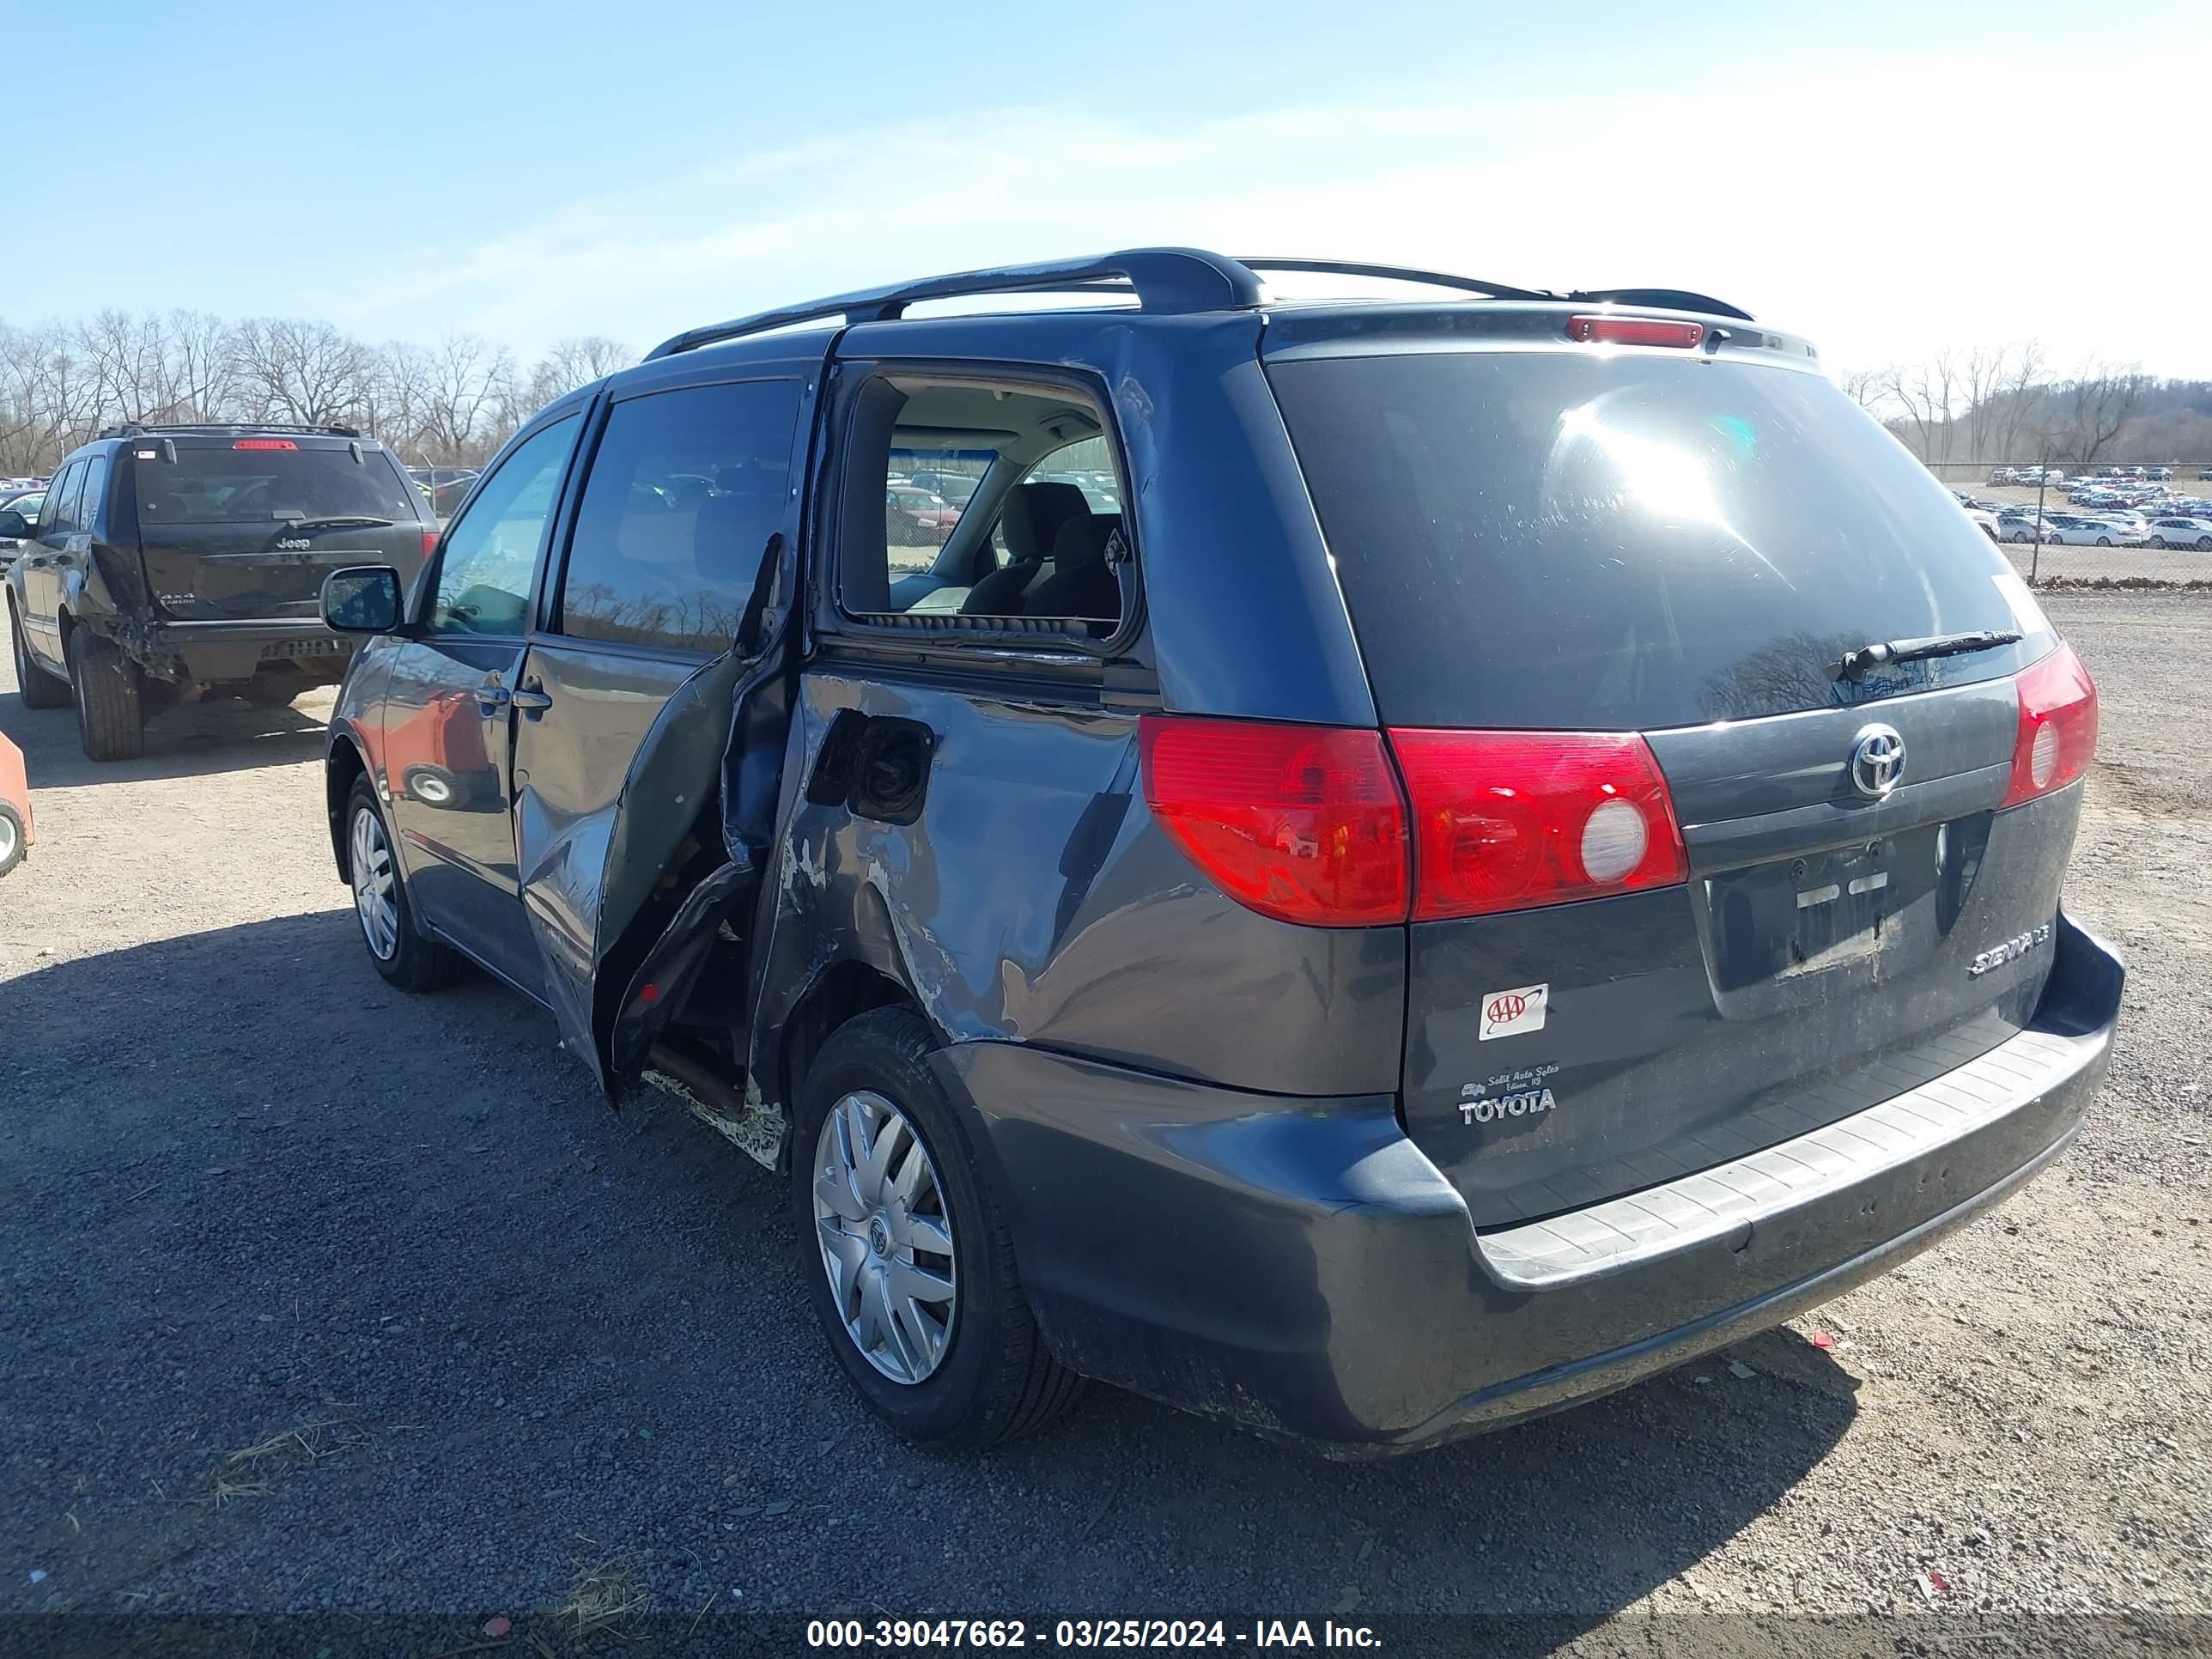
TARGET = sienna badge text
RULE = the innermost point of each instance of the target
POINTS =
(1509, 1013)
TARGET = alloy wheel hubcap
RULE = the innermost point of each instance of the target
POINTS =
(886, 1237)
(374, 899)
(7, 839)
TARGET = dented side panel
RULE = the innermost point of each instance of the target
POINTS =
(1033, 899)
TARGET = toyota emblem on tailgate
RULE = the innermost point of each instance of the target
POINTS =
(1877, 761)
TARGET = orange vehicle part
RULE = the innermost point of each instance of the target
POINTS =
(16, 796)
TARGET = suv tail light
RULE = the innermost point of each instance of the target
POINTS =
(2058, 732)
(265, 443)
(1308, 823)
(1301, 823)
(1508, 820)
(431, 533)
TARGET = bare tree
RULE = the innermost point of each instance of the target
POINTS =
(293, 370)
(2099, 402)
(466, 376)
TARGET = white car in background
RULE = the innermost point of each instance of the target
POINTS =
(1983, 521)
(2095, 532)
(2022, 527)
(2181, 532)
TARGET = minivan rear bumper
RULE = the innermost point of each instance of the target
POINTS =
(1298, 1267)
(213, 652)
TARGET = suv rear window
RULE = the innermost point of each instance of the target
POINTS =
(211, 485)
(1617, 542)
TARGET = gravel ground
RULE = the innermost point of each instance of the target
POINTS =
(246, 1192)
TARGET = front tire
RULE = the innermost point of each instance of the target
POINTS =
(111, 721)
(2103, 541)
(37, 688)
(401, 954)
(908, 1256)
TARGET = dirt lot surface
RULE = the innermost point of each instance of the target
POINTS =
(314, 1295)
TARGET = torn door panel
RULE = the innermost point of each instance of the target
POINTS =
(592, 859)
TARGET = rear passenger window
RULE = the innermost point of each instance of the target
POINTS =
(54, 513)
(999, 502)
(686, 490)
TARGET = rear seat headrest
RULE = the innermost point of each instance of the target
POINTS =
(1082, 541)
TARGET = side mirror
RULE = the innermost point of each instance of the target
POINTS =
(363, 598)
(14, 527)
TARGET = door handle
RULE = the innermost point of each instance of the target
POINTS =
(532, 700)
(490, 699)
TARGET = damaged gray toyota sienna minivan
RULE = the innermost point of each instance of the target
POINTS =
(1364, 869)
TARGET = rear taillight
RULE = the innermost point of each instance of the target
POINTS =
(1508, 820)
(265, 443)
(1304, 824)
(1311, 824)
(429, 543)
(1634, 330)
(2058, 732)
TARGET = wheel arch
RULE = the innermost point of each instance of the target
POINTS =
(840, 992)
(342, 766)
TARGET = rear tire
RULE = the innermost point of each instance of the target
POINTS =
(2204, 543)
(993, 1378)
(401, 954)
(111, 722)
(37, 688)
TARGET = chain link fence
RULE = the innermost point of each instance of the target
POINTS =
(2066, 524)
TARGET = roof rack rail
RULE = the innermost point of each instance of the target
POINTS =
(1396, 273)
(137, 428)
(1168, 279)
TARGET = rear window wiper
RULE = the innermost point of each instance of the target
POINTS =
(1856, 663)
(341, 521)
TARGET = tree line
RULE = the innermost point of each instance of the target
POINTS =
(2005, 406)
(451, 403)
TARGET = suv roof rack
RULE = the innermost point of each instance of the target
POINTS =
(1164, 279)
(142, 428)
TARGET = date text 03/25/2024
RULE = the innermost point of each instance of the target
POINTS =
(1261, 1635)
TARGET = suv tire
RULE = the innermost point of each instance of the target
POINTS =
(993, 1378)
(104, 683)
(13, 838)
(37, 688)
(401, 954)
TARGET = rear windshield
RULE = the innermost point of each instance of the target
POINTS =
(1567, 539)
(207, 485)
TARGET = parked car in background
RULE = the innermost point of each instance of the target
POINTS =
(2018, 526)
(17, 828)
(172, 561)
(2181, 532)
(1619, 998)
(2095, 532)
(1983, 521)
(25, 504)
(915, 517)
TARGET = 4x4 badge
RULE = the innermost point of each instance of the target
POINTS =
(1877, 761)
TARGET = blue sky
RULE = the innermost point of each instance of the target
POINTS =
(1888, 179)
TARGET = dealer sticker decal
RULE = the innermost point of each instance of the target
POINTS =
(1509, 1013)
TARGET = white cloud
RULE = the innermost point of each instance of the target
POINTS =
(1885, 209)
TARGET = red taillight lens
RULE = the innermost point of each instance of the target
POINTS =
(265, 443)
(1634, 330)
(1507, 820)
(429, 543)
(1304, 824)
(2057, 733)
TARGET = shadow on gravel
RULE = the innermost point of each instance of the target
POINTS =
(250, 1192)
(224, 735)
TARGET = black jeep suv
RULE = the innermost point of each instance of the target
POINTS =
(1491, 846)
(175, 561)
